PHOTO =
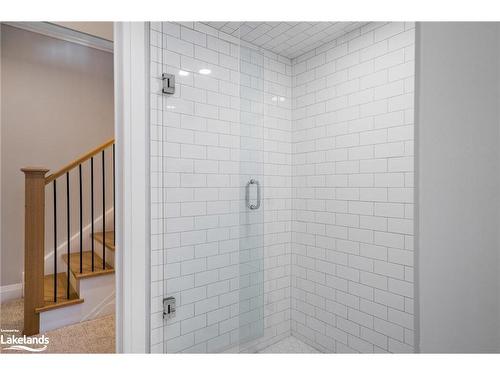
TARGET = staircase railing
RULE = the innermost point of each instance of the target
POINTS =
(34, 253)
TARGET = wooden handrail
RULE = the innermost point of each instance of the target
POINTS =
(78, 161)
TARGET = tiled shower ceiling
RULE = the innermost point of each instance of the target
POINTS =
(289, 39)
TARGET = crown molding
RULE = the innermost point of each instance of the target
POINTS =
(63, 33)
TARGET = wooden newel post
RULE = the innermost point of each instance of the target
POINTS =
(34, 244)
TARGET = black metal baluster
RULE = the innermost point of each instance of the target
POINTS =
(92, 206)
(68, 231)
(55, 241)
(103, 214)
(114, 193)
(81, 219)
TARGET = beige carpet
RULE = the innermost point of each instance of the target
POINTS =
(93, 336)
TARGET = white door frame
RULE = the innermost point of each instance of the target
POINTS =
(131, 64)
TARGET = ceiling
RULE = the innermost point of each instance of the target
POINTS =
(289, 39)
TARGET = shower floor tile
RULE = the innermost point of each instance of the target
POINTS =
(289, 345)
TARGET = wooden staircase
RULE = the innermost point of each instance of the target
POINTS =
(74, 298)
(45, 293)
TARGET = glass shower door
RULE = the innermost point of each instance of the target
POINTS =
(251, 253)
(207, 142)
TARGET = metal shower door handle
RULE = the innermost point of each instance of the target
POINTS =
(247, 195)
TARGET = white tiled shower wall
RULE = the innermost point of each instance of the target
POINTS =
(342, 278)
(208, 138)
(352, 253)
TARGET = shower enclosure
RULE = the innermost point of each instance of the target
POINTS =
(281, 186)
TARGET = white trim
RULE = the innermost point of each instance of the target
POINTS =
(132, 176)
(416, 192)
(10, 292)
(63, 33)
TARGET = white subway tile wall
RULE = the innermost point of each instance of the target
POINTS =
(330, 136)
(352, 238)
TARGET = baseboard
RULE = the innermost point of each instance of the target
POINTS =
(10, 292)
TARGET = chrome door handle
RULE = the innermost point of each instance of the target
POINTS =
(247, 195)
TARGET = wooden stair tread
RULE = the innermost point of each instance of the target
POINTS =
(87, 265)
(110, 239)
(62, 297)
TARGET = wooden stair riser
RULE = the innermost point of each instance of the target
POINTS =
(74, 282)
(109, 239)
(62, 298)
(110, 254)
(87, 265)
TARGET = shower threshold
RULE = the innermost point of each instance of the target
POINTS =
(289, 344)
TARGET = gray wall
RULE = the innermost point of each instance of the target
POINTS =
(458, 165)
(57, 103)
